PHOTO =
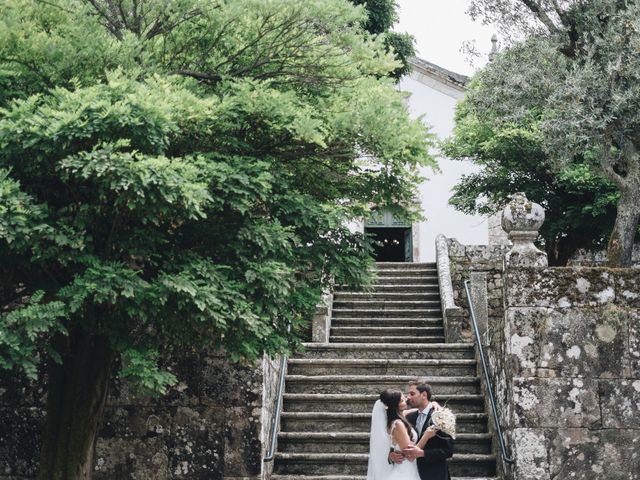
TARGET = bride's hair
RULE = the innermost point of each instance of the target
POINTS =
(391, 398)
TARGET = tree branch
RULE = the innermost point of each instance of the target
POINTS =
(630, 154)
(51, 4)
(114, 27)
(541, 15)
(606, 163)
(208, 77)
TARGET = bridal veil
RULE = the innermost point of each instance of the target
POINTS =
(379, 444)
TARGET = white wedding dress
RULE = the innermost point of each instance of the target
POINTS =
(381, 443)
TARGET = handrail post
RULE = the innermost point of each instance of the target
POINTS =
(276, 414)
(505, 457)
(273, 431)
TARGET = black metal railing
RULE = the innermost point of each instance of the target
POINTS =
(275, 420)
(505, 457)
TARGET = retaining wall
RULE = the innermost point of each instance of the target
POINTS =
(213, 425)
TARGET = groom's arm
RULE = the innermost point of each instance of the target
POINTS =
(431, 455)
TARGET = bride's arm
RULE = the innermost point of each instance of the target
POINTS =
(400, 435)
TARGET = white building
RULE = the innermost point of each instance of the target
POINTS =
(435, 92)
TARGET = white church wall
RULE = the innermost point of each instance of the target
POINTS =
(436, 104)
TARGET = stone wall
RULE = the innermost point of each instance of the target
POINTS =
(573, 364)
(486, 259)
(594, 259)
(564, 349)
(467, 261)
(563, 346)
(213, 425)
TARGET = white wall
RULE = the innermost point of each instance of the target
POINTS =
(438, 110)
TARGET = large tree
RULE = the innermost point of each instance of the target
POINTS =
(580, 58)
(178, 176)
(580, 205)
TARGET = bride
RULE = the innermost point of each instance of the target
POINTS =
(391, 431)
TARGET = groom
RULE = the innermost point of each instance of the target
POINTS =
(432, 461)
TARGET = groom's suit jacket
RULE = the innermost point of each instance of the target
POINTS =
(433, 466)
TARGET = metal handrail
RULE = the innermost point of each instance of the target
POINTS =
(271, 453)
(485, 368)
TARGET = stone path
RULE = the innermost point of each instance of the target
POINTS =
(379, 339)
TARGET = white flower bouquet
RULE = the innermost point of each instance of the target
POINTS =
(445, 421)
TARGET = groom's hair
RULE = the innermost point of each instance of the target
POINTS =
(422, 387)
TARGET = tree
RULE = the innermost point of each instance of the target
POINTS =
(589, 92)
(381, 16)
(579, 205)
(184, 185)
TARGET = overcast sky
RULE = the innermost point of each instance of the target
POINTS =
(440, 27)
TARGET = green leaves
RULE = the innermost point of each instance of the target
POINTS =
(23, 329)
(511, 154)
(191, 190)
(157, 187)
(20, 218)
(140, 367)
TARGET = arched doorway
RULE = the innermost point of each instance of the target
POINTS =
(393, 237)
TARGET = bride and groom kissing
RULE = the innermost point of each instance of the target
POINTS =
(406, 444)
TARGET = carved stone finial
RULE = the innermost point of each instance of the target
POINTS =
(494, 47)
(522, 219)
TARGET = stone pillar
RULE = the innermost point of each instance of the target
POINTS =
(522, 219)
(456, 328)
(321, 323)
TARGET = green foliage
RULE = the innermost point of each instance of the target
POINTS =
(578, 67)
(23, 329)
(190, 187)
(580, 205)
(381, 16)
(403, 45)
(141, 369)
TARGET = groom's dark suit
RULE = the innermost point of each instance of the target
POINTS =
(433, 466)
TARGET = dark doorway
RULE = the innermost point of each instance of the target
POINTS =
(392, 244)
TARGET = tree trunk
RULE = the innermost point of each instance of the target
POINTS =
(624, 230)
(77, 391)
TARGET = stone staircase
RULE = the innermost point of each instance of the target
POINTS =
(379, 339)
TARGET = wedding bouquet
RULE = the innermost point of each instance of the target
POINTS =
(445, 421)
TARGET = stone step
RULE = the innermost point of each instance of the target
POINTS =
(354, 477)
(389, 350)
(432, 367)
(388, 312)
(356, 463)
(386, 296)
(387, 322)
(382, 266)
(401, 288)
(393, 330)
(361, 422)
(358, 442)
(424, 281)
(430, 274)
(376, 384)
(392, 339)
(405, 265)
(361, 403)
(383, 305)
